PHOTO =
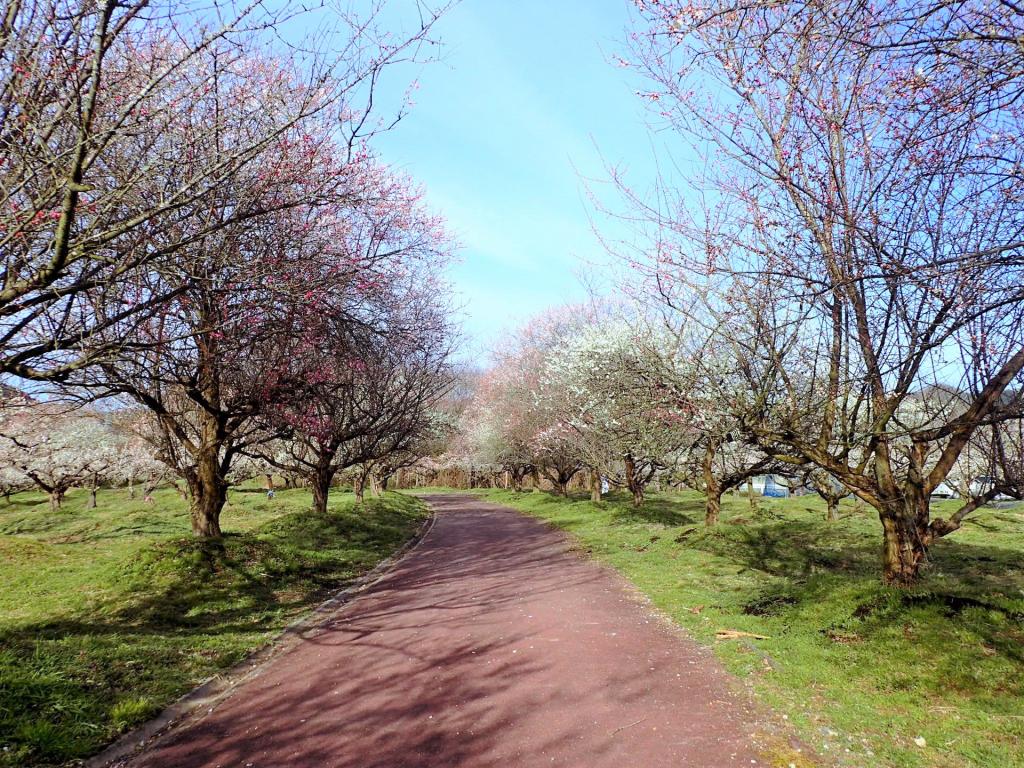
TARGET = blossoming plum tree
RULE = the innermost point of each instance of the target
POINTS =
(606, 385)
(56, 449)
(110, 114)
(515, 425)
(862, 221)
(366, 394)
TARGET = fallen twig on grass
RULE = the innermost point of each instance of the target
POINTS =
(733, 634)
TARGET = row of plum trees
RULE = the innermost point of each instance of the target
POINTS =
(837, 259)
(52, 449)
(196, 233)
(584, 390)
(852, 241)
(629, 400)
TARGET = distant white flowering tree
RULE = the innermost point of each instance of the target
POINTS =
(607, 385)
(57, 450)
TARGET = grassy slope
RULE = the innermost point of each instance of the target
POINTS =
(862, 670)
(107, 615)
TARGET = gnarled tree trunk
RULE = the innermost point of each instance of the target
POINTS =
(906, 534)
(319, 483)
(209, 490)
(359, 484)
(320, 493)
(560, 477)
(904, 549)
(636, 488)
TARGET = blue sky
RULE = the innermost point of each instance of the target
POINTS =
(525, 104)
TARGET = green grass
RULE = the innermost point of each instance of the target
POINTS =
(107, 615)
(860, 669)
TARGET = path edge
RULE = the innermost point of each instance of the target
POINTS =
(219, 687)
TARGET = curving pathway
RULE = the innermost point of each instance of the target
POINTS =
(490, 645)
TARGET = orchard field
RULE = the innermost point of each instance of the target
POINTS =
(794, 259)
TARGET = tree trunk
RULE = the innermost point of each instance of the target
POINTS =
(517, 480)
(93, 489)
(712, 490)
(359, 487)
(595, 486)
(712, 506)
(209, 494)
(634, 485)
(131, 486)
(56, 498)
(751, 497)
(833, 508)
(903, 549)
(320, 484)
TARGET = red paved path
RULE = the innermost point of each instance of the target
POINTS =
(489, 645)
